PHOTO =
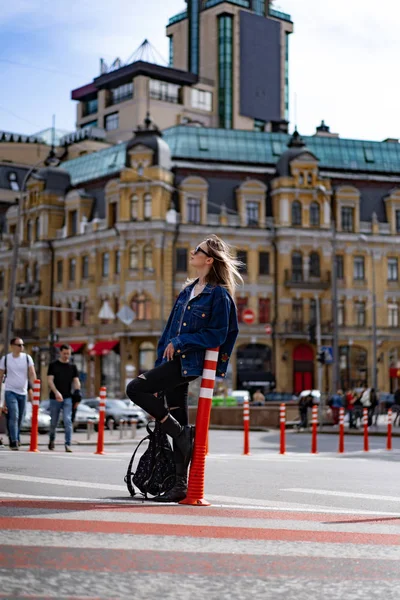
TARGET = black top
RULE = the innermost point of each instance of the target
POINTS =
(63, 374)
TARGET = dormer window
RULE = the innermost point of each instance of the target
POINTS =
(112, 214)
(73, 222)
(194, 210)
(252, 213)
(12, 178)
(147, 212)
(134, 207)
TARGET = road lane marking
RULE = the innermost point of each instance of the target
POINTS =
(343, 494)
(64, 482)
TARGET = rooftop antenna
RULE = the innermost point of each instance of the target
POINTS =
(146, 52)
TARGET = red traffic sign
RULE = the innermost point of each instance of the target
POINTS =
(248, 316)
(268, 329)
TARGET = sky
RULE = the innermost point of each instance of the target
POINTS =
(343, 59)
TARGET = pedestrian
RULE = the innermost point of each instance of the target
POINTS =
(336, 403)
(204, 316)
(63, 381)
(16, 371)
(258, 398)
(373, 398)
(350, 399)
(305, 402)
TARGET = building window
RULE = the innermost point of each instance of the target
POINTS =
(297, 314)
(259, 125)
(117, 264)
(263, 263)
(89, 125)
(105, 264)
(1, 282)
(147, 212)
(360, 314)
(85, 266)
(397, 221)
(393, 315)
(36, 272)
(120, 94)
(314, 214)
(313, 311)
(393, 269)
(296, 213)
(341, 314)
(134, 207)
(259, 7)
(167, 92)
(315, 269)
(134, 258)
(12, 178)
(60, 271)
(339, 266)
(90, 107)
(194, 210)
(202, 100)
(72, 269)
(225, 68)
(264, 315)
(181, 260)
(112, 214)
(73, 222)
(171, 50)
(359, 268)
(242, 258)
(194, 36)
(297, 267)
(37, 229)
(148, 258)
(241, 305)
(111, 122)
(347, 218)
(141, 306)
(252, 213)
(29, 232)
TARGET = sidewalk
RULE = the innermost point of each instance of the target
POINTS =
(80, 439)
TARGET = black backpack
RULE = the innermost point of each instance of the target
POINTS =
(155, 471)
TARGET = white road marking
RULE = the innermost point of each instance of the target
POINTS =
(343, 494)
(64, 482)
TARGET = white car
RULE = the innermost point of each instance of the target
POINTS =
(85, 414)
(316, 395)
(43, 420)
(241, 396)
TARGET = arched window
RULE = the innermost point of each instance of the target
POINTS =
(148, 257)
(105, 264)
(301, 178)
(309, 179)
(314, 214)
(315, 269)
(134, 258)
(134, 207)
(141, 305)
(147, 212)
(72, 269)
(296, 213)
(297, 266)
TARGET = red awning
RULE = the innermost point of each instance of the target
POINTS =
(75, 346)
(393, 372)
(104, 347)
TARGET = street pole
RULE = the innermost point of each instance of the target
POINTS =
(335, 324)
(374, 332)
(319, 342)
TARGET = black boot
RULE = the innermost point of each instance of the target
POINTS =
(183, 436)
(177, 493)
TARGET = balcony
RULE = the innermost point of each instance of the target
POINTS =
(27, 290)
(294, 279)
(300, 329)
(27, 334)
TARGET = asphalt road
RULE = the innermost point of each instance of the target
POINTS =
(298, 526)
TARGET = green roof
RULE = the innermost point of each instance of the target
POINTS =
(96, 165)
(222, 145)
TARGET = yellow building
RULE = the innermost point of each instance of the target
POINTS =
(106, 239)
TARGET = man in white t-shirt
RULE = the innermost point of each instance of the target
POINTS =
(18, 369)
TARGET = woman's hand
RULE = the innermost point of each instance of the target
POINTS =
(169, 352)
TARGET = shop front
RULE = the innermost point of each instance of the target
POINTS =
(254, 368)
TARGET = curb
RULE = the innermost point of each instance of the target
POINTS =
(358, 433)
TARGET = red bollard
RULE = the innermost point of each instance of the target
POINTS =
(102, 418)
(341, 431)
(389, 431)
(195, 493)
(314, 421)
(365, 421)
(282, 420)
(246, 427)
(35, 417)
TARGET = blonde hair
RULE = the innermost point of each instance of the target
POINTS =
(224, 270)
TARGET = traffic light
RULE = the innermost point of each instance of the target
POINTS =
(312, 333)
(321, 357)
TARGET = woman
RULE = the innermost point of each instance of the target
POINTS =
(204, 316)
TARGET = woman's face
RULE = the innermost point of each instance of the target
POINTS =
(199, 256)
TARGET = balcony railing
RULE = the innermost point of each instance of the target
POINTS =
(301, 328)
(27, 290)
(296, 279)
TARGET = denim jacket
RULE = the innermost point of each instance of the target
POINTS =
(209, 320)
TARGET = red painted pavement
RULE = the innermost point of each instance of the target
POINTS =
(197, 531)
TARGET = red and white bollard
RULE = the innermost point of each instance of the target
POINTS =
(246, 427)
(282, 422)
(314, 423)
(35, 417)
(195, 493)
(389, 430)
(365, 421)
(341, 431)
(102, 420)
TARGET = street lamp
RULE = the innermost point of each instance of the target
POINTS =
(51, 160)
(363, 238)
(335, 344)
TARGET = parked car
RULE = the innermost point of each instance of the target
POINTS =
(241, 396)
(82, 416)
(43, 420)
(117, 410)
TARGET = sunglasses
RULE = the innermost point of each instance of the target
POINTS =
(200, 249)
(19, 345)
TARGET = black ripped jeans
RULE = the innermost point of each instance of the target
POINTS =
(172, 388)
